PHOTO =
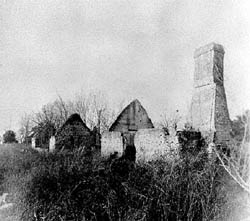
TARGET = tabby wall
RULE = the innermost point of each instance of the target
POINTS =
(149, 144)
(152, 143)
(111, 142)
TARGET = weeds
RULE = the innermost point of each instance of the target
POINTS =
(81, 186)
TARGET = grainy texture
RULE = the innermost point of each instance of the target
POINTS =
(132, 118)
(209, 112)
(52, 144)
(111, 142)
(152, 143)
(74, 134)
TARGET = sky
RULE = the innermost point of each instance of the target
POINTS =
(127, 49)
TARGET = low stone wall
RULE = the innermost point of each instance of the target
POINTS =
(152, 143)
(111, 142)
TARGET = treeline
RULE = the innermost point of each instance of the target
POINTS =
(94, 108)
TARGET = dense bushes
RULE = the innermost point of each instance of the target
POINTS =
(79, 186)
(9, 137)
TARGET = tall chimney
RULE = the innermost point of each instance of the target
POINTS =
(209, 112)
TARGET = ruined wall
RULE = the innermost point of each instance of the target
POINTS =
(132, 118)
(111, 142)
(73, 134)
(33, 142)
(52, 144)
(151, 143)
(209, 112)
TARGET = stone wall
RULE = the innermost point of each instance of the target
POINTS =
(111, 142)
(152, 143)
(74, 134)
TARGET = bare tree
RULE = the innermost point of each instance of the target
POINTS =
(94, 109)
(26, 125)
(170, 121)
(80, 105)
(99, 112)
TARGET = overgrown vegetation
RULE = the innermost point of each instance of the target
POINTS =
(79, 186)
(9, 137)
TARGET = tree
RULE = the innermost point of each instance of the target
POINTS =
(170, 121)
(9, 137)
(93, 108)
(26, 125)
(240, 127)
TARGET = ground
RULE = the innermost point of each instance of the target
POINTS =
(10, 153)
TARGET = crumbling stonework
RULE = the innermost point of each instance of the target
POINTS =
(132, 118)
(111, 142)
(208, 115)
(209, 112)
(152, 143)
(73, 134)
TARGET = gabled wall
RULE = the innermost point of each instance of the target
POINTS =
(132, 118)
(111, 142)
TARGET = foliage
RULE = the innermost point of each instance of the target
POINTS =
(9, 137)
(93, 108)
(24, 131)
(239, 126)
(73, 136)
(42, 132)
(77, 185)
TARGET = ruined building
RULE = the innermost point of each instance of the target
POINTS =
(73, 134)
(122, 132)
(130, 120)
(134, 129)
(208, 115)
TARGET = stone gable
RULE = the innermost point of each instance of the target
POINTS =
(132, 118)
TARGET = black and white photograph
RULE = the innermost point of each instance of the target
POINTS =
(124, 110)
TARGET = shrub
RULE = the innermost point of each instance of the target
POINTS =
(78, 186)
(9, 137)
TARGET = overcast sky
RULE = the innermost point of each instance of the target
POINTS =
(128, 49)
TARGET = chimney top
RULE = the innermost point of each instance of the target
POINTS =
(209, 47)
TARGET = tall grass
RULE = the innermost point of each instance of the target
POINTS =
(79, 186)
